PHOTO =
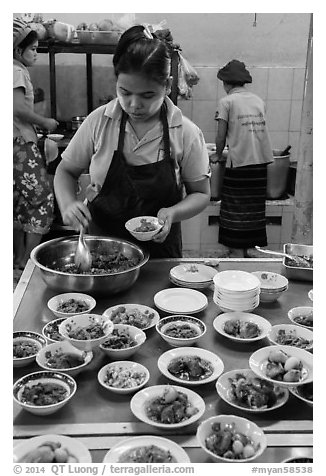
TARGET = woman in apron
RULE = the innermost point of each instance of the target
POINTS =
(143, 156)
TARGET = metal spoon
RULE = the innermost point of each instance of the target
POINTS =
(83, 257)
(299, 259)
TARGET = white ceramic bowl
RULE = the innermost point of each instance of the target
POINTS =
(51, 330)
(74, 298)
(259, 359)
(134, 223)
(270, 296)
(300, 390)
(296, 312)
(214, 361)
(177, 321)
(82, 322)
(23, 341)
(59, 348)
(77, 451)
(142, 399)
(66, 382)
(292, 331)
(124, 370)
(271, 281)
(263, 325)
(137, 335)
(119, 451)
(137, 315)
(55, 137)
(225, 391)
(242, 425)
(231, 281)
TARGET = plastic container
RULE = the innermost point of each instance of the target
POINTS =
(277, 175)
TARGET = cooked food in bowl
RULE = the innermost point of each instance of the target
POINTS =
(94, 330)
(242, 329)
(147, 454)
(181, 330)
(73, 305)
(46, 393)
(132, 316)
(282, 367)
(51, 330)
(23, 348)
(119, 339)
(290, 337)
(118, 376)
(172, 407)
(145, 225)
(26, 345)
(63, 360)
(304, 319)
(190, 368)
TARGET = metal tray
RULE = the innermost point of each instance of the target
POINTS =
(296, 272)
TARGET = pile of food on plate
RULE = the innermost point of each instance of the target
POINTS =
(43, 394)
(242, 329)
(119, 339)
(72, 306)
(181, 331)
(93, 331)
(172, 407)
(63, 360)
(290, 337)
(147, 454)
(190, 368)
(49, 452)
(283, 367)
(120, 377)
(133, 317)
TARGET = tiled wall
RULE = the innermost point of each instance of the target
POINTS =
(280, 88)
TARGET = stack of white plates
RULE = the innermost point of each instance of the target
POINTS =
(236, 291)
(194, 276)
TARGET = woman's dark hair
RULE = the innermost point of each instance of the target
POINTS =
(138, 53)
(29, 40)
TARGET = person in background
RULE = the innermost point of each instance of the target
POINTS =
(33, 194)
(242, 125)
(140, 151)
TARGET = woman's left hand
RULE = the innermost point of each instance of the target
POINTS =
(165, 216)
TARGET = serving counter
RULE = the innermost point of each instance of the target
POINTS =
(100, 418)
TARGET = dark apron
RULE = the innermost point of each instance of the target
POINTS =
(129, 191)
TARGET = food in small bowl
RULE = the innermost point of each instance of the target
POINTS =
(70, 304)
(51, 330)
(283, 364)
(137, 315)
(86, 331)
(143, 228)
(243, 390)
(180, 330)
(302, 316)
(123, 376)
(290, 334)
(51, 449)
(123, 342)
(63, 357)
(165, 406)
(26, 345)
(231, 438)
(43, 393)
(304, 392)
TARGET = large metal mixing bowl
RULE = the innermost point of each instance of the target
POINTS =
(60, 253)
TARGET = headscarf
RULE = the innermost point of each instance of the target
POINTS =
(20, 30)
(234, 72)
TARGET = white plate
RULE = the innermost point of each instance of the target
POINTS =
(224, 389)
(298, 331)
(259, 359)
(234, 280)
(141, 308)
(215, 361)
(183, 284)
(193, 273)
(114, 454)
(180, 301)
(74, 446)
(221, 319)
(144, 397)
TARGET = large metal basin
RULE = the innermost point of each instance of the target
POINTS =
(60, 252)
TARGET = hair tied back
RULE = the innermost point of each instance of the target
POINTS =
(147, 33)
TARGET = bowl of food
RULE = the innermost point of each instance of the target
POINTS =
(241, 326)
(157, 406)
(301, 266)
(123, 342)
(146, 449)
(290, 334)
(272, 285)
(190, 365)
(55, 137)
(123, 376)
(137, 315)
(302, 316)
(242, 389)
(115, 264)
(26, 345)
(51, 449)
(143, 228)
(51, 330)
(43, 393)
(230, 438)
(180, 330)
(304, 392)
(86, 331)
(283, 364)
(69, 304)
(63, 357)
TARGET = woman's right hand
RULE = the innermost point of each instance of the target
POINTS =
(76, 214)
(50, 124)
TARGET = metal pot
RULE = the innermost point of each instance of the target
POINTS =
(76, 122)
(277, 175)
(59, 253)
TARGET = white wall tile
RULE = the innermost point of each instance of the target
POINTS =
(206, 88)
(295, 118)
(279, 140)
(298, 83)
(278, 115)
(259, 82)
(280, 81)
(203, 115)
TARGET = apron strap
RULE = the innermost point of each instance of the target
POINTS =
(123, 122)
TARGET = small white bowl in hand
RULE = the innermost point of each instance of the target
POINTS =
(123, 372)
(72, 299)
(137, 335)
(134, 223)
(55, 137)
